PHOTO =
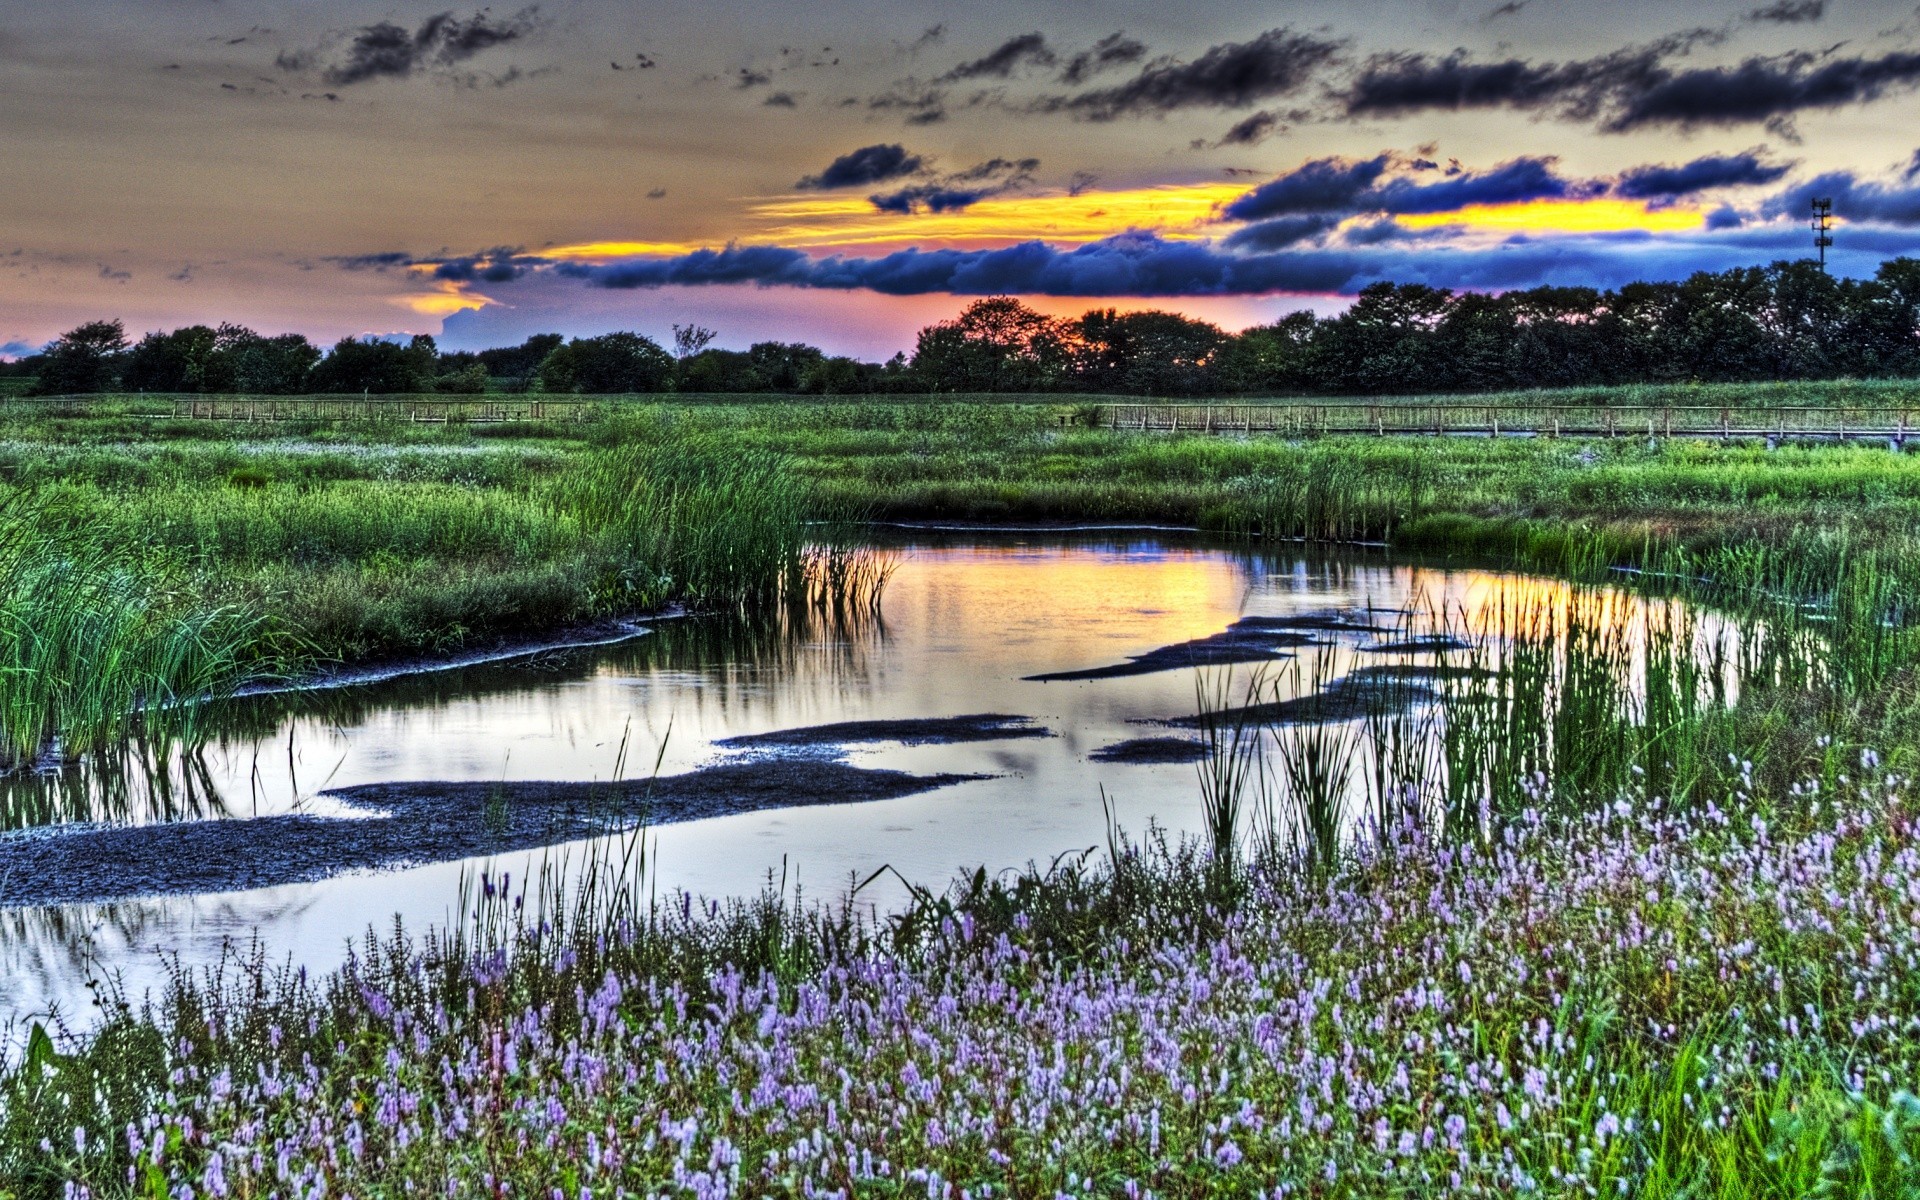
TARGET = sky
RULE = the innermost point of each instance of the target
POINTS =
(844, 172)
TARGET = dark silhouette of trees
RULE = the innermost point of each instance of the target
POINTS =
(610, 363)
(84, 359)
(231, 358)
(517, 368)
(1153, 353)
(1787, 321)
(377, 367)
(994, 345)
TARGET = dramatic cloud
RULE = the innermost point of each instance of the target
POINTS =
(1512, 182)
(1114, 50)
(1281, 232)
(1633, 88)
(1128, 265)
(1251, 131)
(387, 50)
(1391, 185)
(1854, 199)
(1790, 12)
(923, 105)
(1232, 75)
(960, 190)
(1699, 175)
(1139, 264)
(371, 262)
(865, 167)
(1764, 90)
(1324, 185)
(1029, 49)
(502, 264)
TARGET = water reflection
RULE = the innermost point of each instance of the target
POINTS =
(965, 622)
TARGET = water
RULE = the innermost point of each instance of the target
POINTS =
(964, 620)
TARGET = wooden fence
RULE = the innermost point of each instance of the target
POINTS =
(1490, 420)
(431, 409)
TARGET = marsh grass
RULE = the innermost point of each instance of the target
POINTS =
(97, 644)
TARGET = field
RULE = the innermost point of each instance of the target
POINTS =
(1635, 918)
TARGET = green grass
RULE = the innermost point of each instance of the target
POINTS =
(96, 640)
(352, 542)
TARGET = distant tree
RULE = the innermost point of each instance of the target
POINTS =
(1884, 320)
(1146, 353)
(607, 365)
(1386, 342)
(170, 362)
(515, 368)
(83, 359)
(689, 340)
(783, 364)
(231, 358)
(721, 371)
(461, 380)
(839, 376)
(995, 345)
(376, 366)
(1271, 359)
(273, 366)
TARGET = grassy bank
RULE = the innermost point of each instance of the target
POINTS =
(141, 578)
(372, 539)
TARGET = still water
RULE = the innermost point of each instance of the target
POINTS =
(964, 620)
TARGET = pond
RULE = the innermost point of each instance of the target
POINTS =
(287, 833)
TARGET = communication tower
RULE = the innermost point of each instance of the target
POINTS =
(1822, 228)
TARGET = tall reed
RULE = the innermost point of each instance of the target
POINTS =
(97, 642)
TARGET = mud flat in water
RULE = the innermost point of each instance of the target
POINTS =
(410, 824)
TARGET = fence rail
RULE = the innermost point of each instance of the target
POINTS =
(430, 409)
(1492, 420)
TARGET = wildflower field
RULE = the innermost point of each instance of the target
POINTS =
(1638, 1001)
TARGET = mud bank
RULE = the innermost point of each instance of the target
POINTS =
(411, 824)
(915, 731)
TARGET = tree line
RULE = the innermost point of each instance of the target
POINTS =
(1788, 321)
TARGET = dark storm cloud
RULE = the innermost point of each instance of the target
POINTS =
(502, 264)
(1128, 265)
(371, 262)
(1390, 184)
(1632, 88)
(1231, 75)
(387, 50)
(781, 100)
(923, 105)
(1323, 185)
(1251, 131)
(1281, 232)
(930, 197)
(865, 167)
(1701, 174)
(1854, 199)
(1138, 264)
(1790, 12)
(1765, 90)
(1029, 49)
(1512, 182)
(961, 189)
(747, 77)
(1110, 52)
